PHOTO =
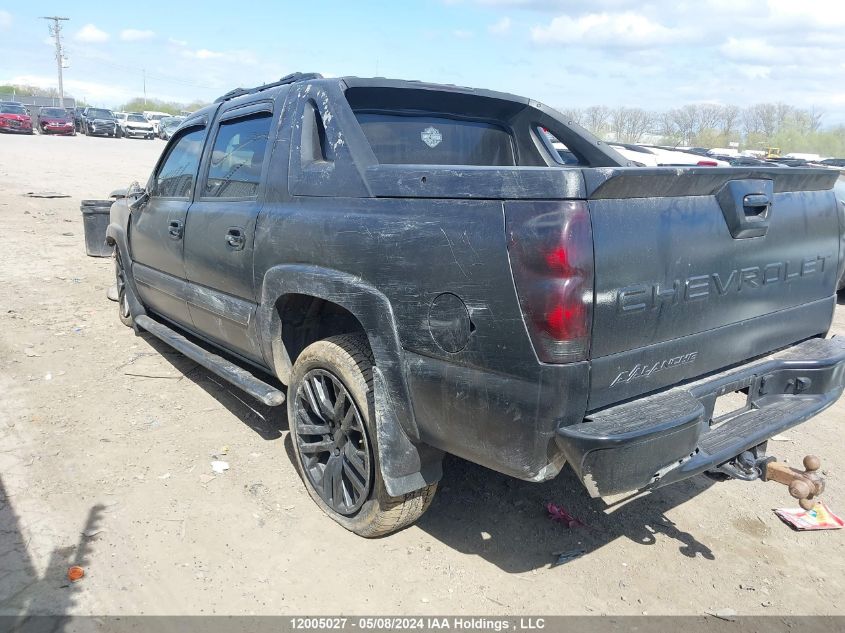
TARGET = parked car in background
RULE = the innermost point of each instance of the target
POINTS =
(55, 121)
(746, 161)
(168, 125)
(723, 151)
(639, 155)
(77, 118)
(155, 117)
(99, 122)
(833, 162)
(810, 158)
(134, 125)
(653, 156)
(788, 162)
(14, 118)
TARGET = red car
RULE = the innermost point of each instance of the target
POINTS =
(13, 118)
(55, 121)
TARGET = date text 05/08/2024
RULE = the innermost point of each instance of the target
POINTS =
(417, 623)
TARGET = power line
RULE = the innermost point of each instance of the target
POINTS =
(146, 75)
(56, 32)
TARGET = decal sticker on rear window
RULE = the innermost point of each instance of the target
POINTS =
(431, 136)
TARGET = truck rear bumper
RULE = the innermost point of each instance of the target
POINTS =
(669, 436)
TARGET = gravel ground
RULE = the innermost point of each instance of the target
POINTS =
(106, 441)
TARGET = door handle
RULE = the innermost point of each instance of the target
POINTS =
(176, 229)
(235, 239)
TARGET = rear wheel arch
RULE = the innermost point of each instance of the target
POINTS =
(288, 289)
(304, 319)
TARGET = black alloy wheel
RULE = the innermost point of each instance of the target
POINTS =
(333, 443)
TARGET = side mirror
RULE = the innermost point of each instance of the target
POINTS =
(140, 194)
(139, 202)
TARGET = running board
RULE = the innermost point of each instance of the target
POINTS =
(227, 370)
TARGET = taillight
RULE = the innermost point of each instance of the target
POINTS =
(551, 253)
(707, 163)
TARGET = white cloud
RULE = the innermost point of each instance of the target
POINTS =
(753, 71)
(5, 19)
(501, 27)
(203, 53)
(462, 34)
(239, 57)
(571, 6)
(606, 30)
(754, 50)
(108, 94)
(90, 33)
(823, 14)
(136, 35)
(176, 42)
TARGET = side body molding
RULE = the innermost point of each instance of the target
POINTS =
(406, 464)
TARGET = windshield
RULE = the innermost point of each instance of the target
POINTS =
(156, 117)
(137, 117)
(12, 109)
(100, 113)
(54, 112)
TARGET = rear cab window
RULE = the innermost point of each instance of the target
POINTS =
(407, 126)
(405, 139)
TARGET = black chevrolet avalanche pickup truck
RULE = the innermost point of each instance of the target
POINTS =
(415, 269)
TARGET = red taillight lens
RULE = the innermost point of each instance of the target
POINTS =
(551, 253)
(707, 163)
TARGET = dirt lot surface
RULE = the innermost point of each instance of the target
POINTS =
(106, 441)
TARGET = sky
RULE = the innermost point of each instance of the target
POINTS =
(565, 53)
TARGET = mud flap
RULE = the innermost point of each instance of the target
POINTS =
(405, 467)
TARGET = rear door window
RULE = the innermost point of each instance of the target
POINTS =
(398, 139)
(238, 156)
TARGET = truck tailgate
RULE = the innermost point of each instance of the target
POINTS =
(699, 269)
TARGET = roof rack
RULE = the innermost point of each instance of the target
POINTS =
(287, 79)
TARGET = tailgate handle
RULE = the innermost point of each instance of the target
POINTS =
(747, 206)
(756, 205)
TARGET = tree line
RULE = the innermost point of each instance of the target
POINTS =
(711, 125)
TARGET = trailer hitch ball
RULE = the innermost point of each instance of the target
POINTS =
(803, 485)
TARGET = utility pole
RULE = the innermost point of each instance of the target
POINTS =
(56, 32)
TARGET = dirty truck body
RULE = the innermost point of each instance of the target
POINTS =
(519, 310)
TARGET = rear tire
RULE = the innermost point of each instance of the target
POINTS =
(332, 422)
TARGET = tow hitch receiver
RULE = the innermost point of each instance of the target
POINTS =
(803, 485)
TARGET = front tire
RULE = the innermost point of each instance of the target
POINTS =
(332, 421)
(122, 300)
